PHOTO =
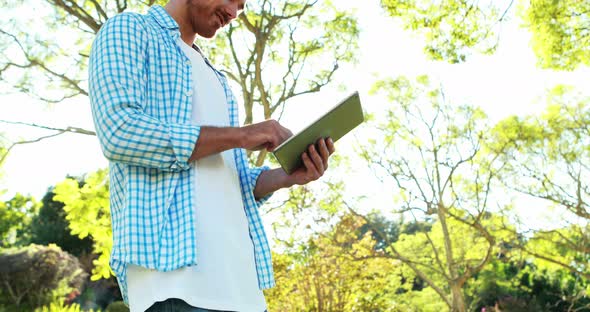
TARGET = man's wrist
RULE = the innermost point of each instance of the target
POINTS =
(271, 181)
(286, 180)
(238, 136)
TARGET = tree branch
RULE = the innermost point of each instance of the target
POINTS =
(68, 129)
(403, 259)
(26, 142)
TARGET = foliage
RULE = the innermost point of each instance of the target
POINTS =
(517, 285)
(561, 32)
(551, 151)
(4, 148)
(548, 157)
(455, 29)
(36, 275)
(451, 28)
(566, 248)
(425, 251)
(87, 211)
(432, 153)
(117, 306)
(307, 210)
(59, 306)
(425, 300)
(50, 226)
(15, 217)
(333, 272)
(383, 230)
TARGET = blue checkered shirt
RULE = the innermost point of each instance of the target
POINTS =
(141, 95)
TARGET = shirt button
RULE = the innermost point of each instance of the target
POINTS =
(189, 93)
(188, 62)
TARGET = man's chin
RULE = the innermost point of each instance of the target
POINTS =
(208, 35)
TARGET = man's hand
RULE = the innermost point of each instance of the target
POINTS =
(212, 140)
(267, 134)
(315, 162)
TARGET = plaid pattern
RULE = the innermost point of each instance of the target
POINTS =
(141, 95)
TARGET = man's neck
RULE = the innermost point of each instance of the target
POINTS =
(176, 9)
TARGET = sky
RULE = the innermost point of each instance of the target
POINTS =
(503, 84)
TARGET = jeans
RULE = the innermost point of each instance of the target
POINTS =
(177, 305)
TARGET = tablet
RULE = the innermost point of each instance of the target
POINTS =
(334, 124)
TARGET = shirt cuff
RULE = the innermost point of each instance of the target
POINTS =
(184, 139)
(254, 173)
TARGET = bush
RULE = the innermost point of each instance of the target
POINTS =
(36, 275)
(117, 306)
(59, 306)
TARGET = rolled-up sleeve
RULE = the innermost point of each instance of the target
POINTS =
(117, 82)
(253, 174)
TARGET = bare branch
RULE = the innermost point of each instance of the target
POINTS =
(26, 142)
(68, 129)
(71, 7)
(33, 62)
(100, 11)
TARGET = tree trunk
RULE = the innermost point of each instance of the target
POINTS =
(458, 304)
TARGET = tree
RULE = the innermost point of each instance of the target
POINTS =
(561, 32)
(568, 248)
(455, 29)
(305, 211)
(514, 284)
(300, 42)
(452, 29)
(15, 218)
(291, 48)
(548, 157)
(49, 226)
(390, 229)
(88, 214)
(332, 272)
(564, 253)
(3, 150)
(432, 153)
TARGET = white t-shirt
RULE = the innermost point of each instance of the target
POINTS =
(225, 275)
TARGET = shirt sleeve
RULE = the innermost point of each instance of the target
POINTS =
(117, 89)
(253, 174)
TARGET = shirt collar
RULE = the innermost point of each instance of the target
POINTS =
(162, 17)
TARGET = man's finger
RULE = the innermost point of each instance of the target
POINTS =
(284, 134)
(272, 143)
(311, 169)
(324, 152)
(317, 159)
(330, 144)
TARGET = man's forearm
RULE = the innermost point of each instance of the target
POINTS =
(214, 140)
(270, 181)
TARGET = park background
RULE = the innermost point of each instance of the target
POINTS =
(465, 190)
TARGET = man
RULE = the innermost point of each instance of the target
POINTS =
(187, 235)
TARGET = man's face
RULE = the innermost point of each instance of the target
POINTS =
(207, 16)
